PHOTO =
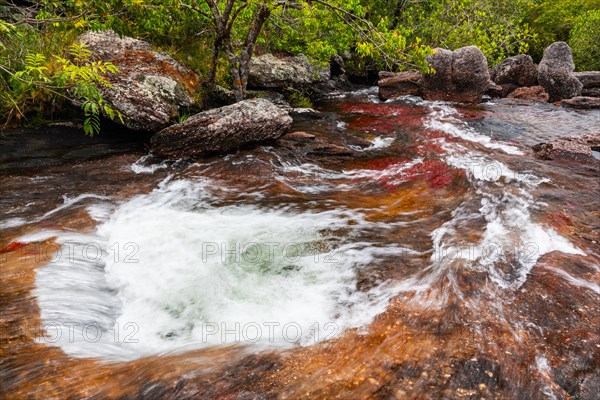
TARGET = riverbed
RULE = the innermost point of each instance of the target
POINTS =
(442, 260)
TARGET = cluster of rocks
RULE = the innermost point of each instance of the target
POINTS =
(463, 76)
(152, 91)
(152, 88)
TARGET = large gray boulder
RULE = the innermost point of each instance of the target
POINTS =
(518, 70)
(268, 71)
(460, 76)
(149, 88)
(555, 72)
(222, 129)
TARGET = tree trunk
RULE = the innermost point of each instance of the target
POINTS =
(212, 73)
(240, 65)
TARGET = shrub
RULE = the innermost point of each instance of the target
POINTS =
(584, 41)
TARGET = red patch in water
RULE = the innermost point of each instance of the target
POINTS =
(12, 246)
(435, 172)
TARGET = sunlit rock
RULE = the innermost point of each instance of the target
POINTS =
(149, 88)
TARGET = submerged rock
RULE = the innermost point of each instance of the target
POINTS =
(577, 148)
(222, 129)
(556, 72)
(460, 76)
(268, 71)
(394, 84)
(308, 145)
(149, 88)
(582, 102)
(533, 93)
(518, 70)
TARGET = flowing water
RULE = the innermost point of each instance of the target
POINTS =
(441, 261)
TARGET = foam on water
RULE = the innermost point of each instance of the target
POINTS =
(446, 119)
(169, 271)
(141, 167)
(380, 142)
(68, 202)
(511, 241)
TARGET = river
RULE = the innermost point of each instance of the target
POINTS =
(442, 260)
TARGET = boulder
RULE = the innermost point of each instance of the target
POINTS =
(575, 148)
(582, 102)
(533, 93)
(589, 79)
(222, 129)
(149, 88)
(394, 84)
(460, 76)
(555, 72)
(518, 70)
(268, 71)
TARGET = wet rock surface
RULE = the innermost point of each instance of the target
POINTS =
(149, 88)
(222, 129)
(460, 76)
(576, 148)
(308, 145)
(555, 72)
(582, 102)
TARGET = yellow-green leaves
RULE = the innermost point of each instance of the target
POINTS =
(73, 78)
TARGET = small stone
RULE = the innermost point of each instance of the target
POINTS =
(532, 93)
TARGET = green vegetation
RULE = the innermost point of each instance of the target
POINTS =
(42, 70)
(47, 76)
(584, 38)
